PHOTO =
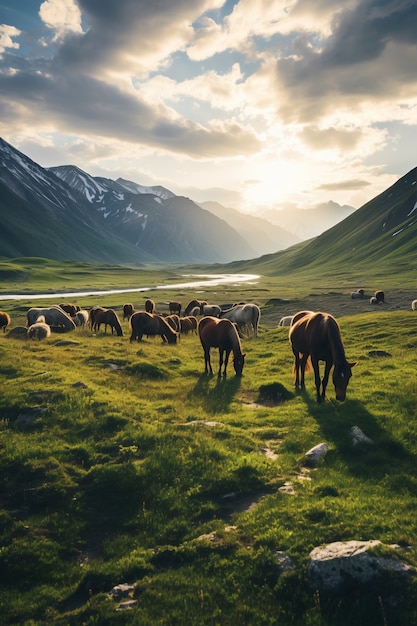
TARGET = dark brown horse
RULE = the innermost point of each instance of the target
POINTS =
(188, 324)
(128, 310)
(108, 317)
(175, 307)
(194, 303)
(174, 321)
(149, 306)
(143, 323)
(221, 334)
(317, 335)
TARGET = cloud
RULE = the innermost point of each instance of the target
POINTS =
(63, 16)
(345, 185)
(6, 34)
(369, 57)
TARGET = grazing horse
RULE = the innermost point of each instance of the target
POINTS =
(317, 335)
(108, 317)
(149, 306)
(358, 295)
(174, 321)
(128, 310)
(188, 324)
(221, 334)
(414, 305)
(175, 307)
(210, 309)
(285, 321)
(69, 308)
(245, 316)
(143, 323)
(4, 320)
(380, 296)
(191, 305)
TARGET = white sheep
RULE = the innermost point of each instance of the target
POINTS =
(39, 330)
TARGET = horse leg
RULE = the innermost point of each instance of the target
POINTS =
(226, 361)
(325, 380)
(207, 361)
(302, 365)
(221, 351)
(317, 380)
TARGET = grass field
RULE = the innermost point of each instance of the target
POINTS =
(124, 463)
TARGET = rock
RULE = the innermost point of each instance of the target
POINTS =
(129, 604)
(286, 564)
(359, 439)
(378, 353)
(341, 563)
(30, 416)
(314, 455)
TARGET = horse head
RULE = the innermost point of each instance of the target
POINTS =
(342, 373)
(238, 363)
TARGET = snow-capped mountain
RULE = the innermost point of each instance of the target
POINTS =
(64, 213)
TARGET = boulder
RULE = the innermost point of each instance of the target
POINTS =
(346, 562)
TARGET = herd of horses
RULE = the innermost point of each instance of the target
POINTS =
(313, 336)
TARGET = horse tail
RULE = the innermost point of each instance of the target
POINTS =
(255, 320)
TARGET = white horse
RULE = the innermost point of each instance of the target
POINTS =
(245, 316)
(286, 320)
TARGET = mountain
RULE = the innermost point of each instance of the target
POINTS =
(64, 213)
(42, 216)
(307, 223)
(262, 235)
(382, 234)
(172, 228)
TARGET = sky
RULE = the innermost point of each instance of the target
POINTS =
(256, 104)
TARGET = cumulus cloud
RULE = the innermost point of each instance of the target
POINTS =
(368, 57)
(62, 16)
(6, 37)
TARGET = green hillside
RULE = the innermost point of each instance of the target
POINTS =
(380, 238)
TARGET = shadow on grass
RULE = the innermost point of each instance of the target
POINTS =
(383, 457)
(216, 398)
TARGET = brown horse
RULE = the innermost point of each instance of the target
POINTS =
(175, 307)
(188, 324)
(149, 306)
(221, 334)
(143, 323)
(108, 317)
(317, 335)
(128, 310)
(191, 305)
(174, 321)
(4, 320)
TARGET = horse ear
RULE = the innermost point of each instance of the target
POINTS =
(353, 363)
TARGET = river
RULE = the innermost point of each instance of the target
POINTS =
(210, 280)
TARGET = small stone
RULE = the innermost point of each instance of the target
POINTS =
(314, 455)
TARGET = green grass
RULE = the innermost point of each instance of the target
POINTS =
(153, 474)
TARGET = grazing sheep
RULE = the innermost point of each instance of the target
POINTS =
(39, 330)
(285, 321)
(414, 305)
(4, 320)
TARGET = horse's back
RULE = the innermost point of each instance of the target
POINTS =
(310, 332)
